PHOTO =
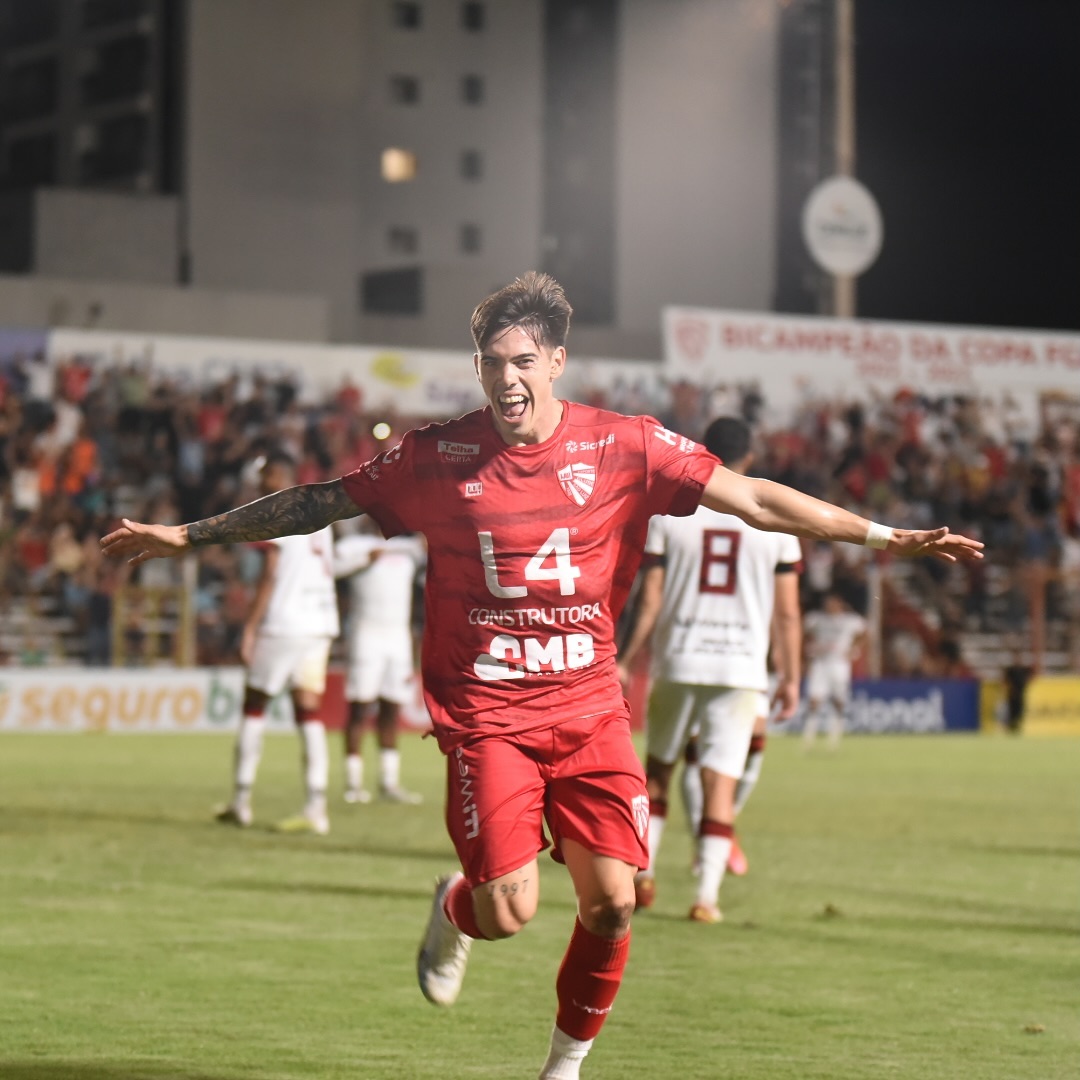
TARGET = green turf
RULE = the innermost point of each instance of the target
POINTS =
(912, 906)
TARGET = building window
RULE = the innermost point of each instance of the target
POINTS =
(404, 89)
(403, 240)
(472, 164)
(398, 166)
(472, 89)
(470, 239)
(472, 16)
(405, 15)
(393, 292)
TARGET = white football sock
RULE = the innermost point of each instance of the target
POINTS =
(693, 796)
(354, 772)
(656, 834)
(247, 755)
(389, 768)
(565, 1057)
(713, 851)
(316, 764)
(751, 775)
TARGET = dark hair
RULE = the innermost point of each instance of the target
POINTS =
(728, 438)
(278, 456)
(534, 302)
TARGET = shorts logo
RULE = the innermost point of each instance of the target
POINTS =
(639, 806)
(474, 488)
(470, 813)
(577, 481)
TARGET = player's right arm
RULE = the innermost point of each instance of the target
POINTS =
(263, 591)
(649, 604)
(306, 508)
(787, 643)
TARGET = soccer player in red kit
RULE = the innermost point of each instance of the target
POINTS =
(535, 512)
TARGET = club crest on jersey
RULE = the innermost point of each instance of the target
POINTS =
(577, 481)
(639, 805)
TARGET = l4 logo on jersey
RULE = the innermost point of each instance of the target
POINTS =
(577, 481)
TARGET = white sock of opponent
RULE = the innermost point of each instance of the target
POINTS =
(248, 754)
(565, 1057)
(354, 772)
(389, 768)
(316, 765)
(714, 847)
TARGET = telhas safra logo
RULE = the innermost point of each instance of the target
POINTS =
(577, 481)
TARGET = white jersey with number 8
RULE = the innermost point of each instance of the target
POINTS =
(719, 585)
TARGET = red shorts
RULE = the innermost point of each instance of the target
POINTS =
(583, 777)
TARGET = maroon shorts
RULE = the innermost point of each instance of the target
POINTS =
(583, 777)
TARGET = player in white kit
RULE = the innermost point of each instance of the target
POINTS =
(834, 638)
(709, 591)
(381, 673)
(286, 644)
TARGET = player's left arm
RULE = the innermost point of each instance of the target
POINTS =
(773, 507)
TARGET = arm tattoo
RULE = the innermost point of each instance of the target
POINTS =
(303, 509)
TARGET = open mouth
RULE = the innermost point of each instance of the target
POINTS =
(513, 406)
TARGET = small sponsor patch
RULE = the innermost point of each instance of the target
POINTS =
(458, 452)
(577, 481)
(474, 488)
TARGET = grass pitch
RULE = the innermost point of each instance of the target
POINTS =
(912, 910)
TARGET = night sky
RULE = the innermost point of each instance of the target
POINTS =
(968, 133)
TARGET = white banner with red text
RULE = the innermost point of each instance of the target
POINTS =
(797, 357)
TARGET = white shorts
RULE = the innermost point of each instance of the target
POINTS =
(380, 665)
(722, 716)
(829, 680)
(298, 663)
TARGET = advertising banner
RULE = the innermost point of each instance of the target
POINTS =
(1052, 706)
(797, 355)
(907, 706)
(434, 383)
(63, 699)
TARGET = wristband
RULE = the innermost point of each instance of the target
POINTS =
(877, 536)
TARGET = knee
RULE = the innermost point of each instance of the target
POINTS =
(610, 917)
(502, 915)
(502, 921)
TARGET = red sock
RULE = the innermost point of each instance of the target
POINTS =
(588, 981)
(458, 906)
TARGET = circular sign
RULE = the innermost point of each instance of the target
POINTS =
(841, 224)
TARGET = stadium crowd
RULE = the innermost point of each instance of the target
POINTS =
(82, 444)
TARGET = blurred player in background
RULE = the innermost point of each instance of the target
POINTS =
(835, 636)
(535, 511)
(286, 643)
(381, 676)
(712, 590)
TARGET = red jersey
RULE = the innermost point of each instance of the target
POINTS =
(531, 554)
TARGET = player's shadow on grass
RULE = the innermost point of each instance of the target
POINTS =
(324, 888)
(97, 1070)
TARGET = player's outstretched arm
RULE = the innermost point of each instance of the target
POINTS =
(776, 508)
(302, 509)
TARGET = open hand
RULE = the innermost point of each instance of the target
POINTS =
(143, 542)
(939, 543)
